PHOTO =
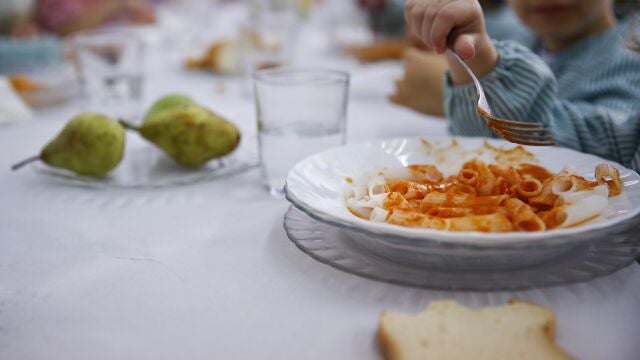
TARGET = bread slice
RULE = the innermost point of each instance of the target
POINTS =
(378, 51)
(447, 330)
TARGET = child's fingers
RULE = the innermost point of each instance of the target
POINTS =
(433, 20)
(408, 14)
(430, 17)
(428, 12)
(464, 46)
(415, 41)
(453, 18)
(415, 13)
(443, 23)
(407, 10)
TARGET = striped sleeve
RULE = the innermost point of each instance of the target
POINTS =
(522, 87)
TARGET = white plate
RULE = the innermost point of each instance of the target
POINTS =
(317, 184)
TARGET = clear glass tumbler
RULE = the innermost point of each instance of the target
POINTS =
(110, 63)
(299, 112)
(269, 38)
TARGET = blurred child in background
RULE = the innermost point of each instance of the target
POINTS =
(582, 82)
(63, 17)
(30, 30)
(67, 16)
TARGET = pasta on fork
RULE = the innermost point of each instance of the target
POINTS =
(484, 197)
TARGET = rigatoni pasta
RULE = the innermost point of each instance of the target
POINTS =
(484, 197)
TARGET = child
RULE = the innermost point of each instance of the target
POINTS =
(587, 94)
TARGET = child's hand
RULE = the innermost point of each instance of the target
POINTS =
(458, 24)
(442, 23)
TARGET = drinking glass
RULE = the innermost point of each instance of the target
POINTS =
(269, 38)
(299, 112)
(109, 62)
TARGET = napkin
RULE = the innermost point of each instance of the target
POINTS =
(12, 108)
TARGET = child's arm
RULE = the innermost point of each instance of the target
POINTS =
(523, 88)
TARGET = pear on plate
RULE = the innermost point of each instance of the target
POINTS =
(190, 134)
(90, 144)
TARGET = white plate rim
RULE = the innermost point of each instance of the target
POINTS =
(473, 238)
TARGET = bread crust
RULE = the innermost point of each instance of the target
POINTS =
(395, 345)
(214, 58)
(388, 348)
(379, 51)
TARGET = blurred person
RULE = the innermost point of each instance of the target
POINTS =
(67, 16)
(583, 84)
(30, 29)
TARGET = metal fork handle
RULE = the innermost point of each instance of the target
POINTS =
(482, 101)
(513, 131)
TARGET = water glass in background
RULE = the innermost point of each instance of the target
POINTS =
(270, 36)
(299, 112)
(186, 26)
(109, 62)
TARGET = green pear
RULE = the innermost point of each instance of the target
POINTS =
(167, 102)
(191, 135)
(90, 144)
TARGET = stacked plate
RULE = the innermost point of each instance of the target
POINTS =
(324, 227)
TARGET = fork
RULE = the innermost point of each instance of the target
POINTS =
(518, 132)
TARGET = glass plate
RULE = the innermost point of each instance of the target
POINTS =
(144, 166)
(333, 246)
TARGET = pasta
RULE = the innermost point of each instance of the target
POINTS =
(483, 197)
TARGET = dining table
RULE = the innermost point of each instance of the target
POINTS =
(205, 270)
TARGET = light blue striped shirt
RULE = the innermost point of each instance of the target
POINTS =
(587, 95)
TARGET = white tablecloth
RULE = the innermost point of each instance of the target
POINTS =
(206, 271)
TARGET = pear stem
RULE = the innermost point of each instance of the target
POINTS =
(128, 125)
(25, 162)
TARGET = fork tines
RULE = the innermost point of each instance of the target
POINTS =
(532, 140)
(533, 134)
